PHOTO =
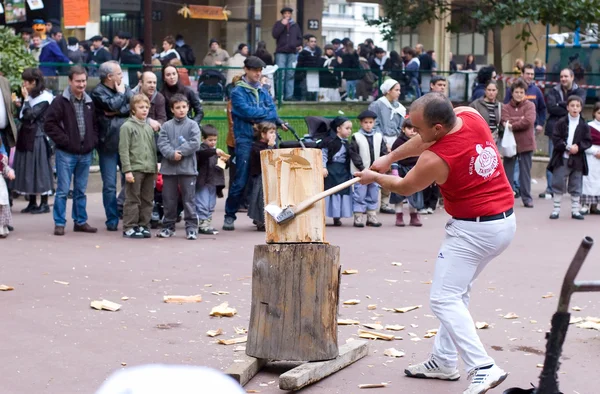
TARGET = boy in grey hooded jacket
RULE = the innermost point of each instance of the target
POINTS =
(178, 141)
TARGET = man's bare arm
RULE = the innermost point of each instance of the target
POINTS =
(429, 169)
(412, 148)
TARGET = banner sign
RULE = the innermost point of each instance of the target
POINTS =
(204, 12)
(76, 13)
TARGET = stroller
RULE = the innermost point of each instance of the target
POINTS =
(158, 211)
(318, 129)
(211, 86)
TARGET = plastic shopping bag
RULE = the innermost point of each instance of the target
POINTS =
(508, 145)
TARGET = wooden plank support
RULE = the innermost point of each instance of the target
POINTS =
(312, 372)
(243, 372)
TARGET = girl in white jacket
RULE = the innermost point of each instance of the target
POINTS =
(590, 197)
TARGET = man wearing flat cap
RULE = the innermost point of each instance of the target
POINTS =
(99, 53)
(250, 104)
(120, 42)
(26, 34)
(288, 36)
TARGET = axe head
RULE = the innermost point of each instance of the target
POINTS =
(280, 215)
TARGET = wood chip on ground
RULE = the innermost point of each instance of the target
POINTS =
(177, 299)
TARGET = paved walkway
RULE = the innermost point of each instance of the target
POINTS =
(53, 342)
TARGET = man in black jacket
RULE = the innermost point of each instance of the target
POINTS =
(71, 124)
(556, 102)
(308, 58)
(288, 35)
(111, 98)
(185, 51)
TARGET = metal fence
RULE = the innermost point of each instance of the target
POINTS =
(297, 122)
(213, 83)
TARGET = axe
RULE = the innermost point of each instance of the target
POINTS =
(288, 213)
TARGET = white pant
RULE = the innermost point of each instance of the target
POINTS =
(466, 250)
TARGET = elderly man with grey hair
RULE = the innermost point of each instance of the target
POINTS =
(111, 98)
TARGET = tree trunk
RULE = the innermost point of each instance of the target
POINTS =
(295, 294)
(497, 32)
(290, 176)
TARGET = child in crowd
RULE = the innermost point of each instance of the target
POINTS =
(336, 169)
(571, 138)
(137, 150)
(211, 179)
(401, 168)
(366, 146)
(264, 135)
(178, 141)
(591, 183)
(5, 215)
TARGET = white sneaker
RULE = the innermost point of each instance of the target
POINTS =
(485, 379)
(422, 211)
(432, 369)
(430, 211)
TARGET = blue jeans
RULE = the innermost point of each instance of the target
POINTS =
(549, 173)
(77, 167)
(351, 88)
(516, 185)
(242, 171)
(286, 60)
(206, 199)
(108, 170)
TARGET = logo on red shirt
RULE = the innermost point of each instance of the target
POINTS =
(486, 162)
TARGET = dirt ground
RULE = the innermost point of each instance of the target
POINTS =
(53, 342)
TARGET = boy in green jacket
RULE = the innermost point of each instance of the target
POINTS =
(137, 149)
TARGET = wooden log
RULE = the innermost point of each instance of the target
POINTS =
(295, 293)
(289, 177)
(309, 373)
(243, 372)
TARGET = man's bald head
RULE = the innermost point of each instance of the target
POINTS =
(148, 83)
(433, 116)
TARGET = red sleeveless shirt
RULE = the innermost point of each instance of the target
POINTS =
(476, 184)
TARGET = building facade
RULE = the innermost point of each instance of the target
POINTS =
(347, 19)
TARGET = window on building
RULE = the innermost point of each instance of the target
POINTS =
(342, 8)
(369, 12)
(407, 40)
(464, 44)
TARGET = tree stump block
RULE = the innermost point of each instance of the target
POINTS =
(295, 295)
(289, 177)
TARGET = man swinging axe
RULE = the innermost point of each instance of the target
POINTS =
(458, 153)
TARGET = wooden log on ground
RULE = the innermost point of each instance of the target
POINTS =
(309, 373)
(243, 372)
(295, 294)
(290, 176)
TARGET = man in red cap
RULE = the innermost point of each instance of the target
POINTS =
(457, 151)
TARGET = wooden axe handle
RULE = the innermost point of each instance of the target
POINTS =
(304, 205)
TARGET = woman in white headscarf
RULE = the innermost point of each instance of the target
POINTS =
(390, 115)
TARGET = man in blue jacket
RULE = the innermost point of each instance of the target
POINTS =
(250, 104)
(51, 53)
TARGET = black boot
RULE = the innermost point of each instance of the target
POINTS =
(31, 206)
(43, 208)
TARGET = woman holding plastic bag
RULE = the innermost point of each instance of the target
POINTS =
(518, 119)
